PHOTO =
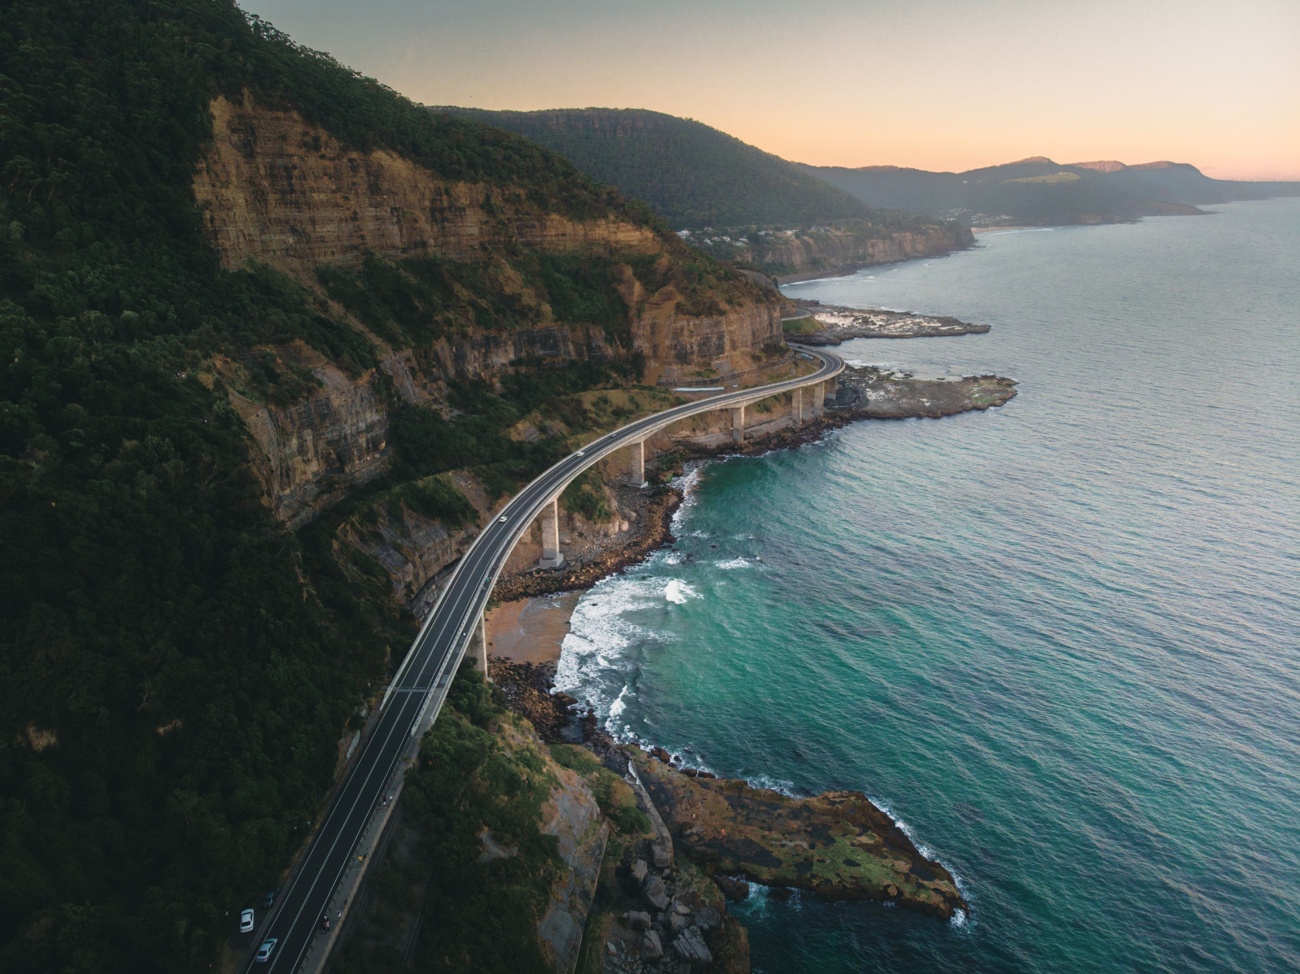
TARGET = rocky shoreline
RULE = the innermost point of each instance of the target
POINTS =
(662, 906)
(838, 324)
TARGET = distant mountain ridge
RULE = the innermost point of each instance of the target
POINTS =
(692, 175)
(699, 179)
(1039, 191)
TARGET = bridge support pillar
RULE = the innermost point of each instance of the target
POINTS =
(818, 400)
(796, 406)
(738, 424)
(478, 643)
(638, 462)
(831, 385)
(552, 556)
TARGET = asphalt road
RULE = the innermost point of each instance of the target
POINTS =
(421, 682)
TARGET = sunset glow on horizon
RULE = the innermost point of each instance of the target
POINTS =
(930, 84)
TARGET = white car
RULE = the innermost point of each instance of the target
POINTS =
(582, 453)
(264, 952)
(502, 519)
(246, 921)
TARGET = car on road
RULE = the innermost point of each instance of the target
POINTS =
(269, 899)
(582, 453)
(246, 921)
(502, 519)
(266, 950)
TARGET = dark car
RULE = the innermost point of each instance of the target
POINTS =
(268, 899)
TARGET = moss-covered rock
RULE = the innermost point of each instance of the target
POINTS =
(837, 844)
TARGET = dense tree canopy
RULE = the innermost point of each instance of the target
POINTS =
(692, 175)
(175, 666)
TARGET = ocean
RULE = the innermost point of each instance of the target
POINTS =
(1059, 641)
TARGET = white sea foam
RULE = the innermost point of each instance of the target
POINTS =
(673, 558)
(731, 564)
(773, 784)
(686, 483)
(679, 592)
(600, 634)
(620, 703)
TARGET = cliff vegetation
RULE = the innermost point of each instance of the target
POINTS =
(732, 200)
(693, 176)
(203, 347)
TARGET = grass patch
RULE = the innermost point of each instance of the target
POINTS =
(801, 326)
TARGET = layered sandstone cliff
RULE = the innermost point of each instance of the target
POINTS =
(280, 191)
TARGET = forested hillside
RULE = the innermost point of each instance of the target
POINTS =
(692, 175)
(176, 664)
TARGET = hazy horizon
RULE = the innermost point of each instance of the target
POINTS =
(928, 84)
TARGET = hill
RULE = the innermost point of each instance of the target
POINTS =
(1038, 191)
(273, 341)
(692, 175)
(727, 198)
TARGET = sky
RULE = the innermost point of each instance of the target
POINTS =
(934, 84)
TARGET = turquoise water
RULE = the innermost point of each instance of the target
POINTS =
(1059, 640)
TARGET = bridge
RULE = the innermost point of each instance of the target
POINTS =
(417, 691)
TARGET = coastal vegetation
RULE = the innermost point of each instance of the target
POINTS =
(693, 176)
(472, 912)
(472, 868)
(177, 664)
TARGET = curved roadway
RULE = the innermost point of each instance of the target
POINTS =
(421, 682)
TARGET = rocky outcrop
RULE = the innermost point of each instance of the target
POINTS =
(875, 393)
(837, 844)
(574, 819)
(411, 548)
(310, 451)
(826, 325)
(668, 920)
(793, 255)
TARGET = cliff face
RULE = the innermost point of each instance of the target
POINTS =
(312, 450)
(677, 341)
(280, 191)
(834, 251)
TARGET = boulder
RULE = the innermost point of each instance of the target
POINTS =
(677, 923)
(655, 893)
(690, 946)
(639, 872)
(661, 851)
(651, 947)
(638, 920)
(708, 918)
(661, 754)
(733, 889)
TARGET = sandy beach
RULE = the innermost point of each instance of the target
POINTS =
(530, 630)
